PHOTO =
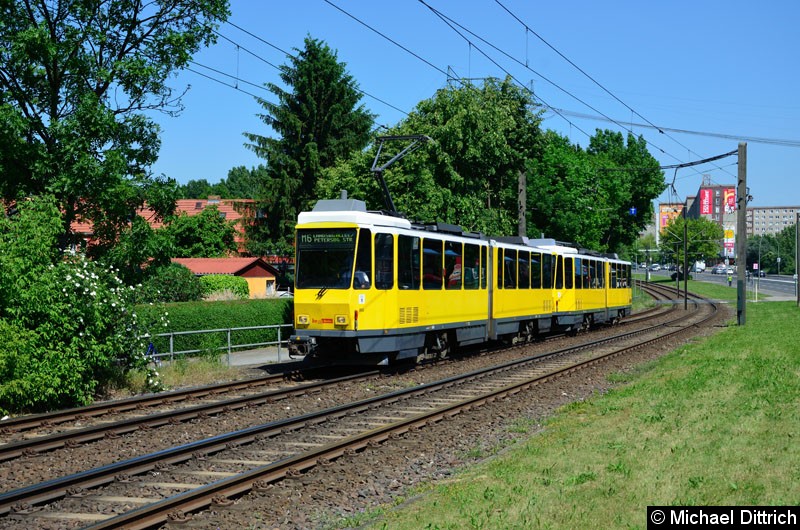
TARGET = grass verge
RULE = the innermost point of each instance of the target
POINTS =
(713, 423)
(180, 373)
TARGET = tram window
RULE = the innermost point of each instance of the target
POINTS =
(453, 264)
(361, 279)
(601, 274)
(408, 262)
(471, 266)
(578, 273)
(547, 271)
(484, 265)
(536, 270)
(613, 279)
(325, 258)
(587, 274)
(559, 272)
(510, 260)
(384, 261)
(499, 268)
(432, 264)
(524, 270)
(568, 272)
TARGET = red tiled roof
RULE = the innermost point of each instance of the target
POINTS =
(190, 206)
(233, 266)
(226, 207)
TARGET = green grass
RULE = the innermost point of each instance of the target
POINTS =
(182, 372)
(717, 291)
(715, 423)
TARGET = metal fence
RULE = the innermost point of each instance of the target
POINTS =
(229, 347)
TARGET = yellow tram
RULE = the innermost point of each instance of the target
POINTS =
(372, 288)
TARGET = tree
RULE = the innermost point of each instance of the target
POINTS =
(138, 249)
(196, 189)
(76, 79)
(170, 283)
(318, 119)
(67, 325)
(205, 235)
(588, 196)
(704, 239)
(630, 177)
(242, 183)
(563, 199)
(482, 136)
(770, 247)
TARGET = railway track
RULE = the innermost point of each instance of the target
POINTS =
(28, 435)
(171, 483)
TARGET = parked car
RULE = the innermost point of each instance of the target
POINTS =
(719, 269)
(655, 267)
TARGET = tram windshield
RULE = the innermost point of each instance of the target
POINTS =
(325, 258)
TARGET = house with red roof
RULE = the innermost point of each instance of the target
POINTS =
(260, 275)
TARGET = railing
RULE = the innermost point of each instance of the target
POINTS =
(228, 347)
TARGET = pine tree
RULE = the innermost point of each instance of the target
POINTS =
(317, 119)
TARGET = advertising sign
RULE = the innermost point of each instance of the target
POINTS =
(730, 200)
(668, 212)
(729, 249)
(705, 201)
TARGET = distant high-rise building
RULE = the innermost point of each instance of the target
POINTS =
(770, 220)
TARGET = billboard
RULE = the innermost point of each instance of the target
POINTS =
(730, 200)
(667, 212)
(705, 201)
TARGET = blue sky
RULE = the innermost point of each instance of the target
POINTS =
(721, 67)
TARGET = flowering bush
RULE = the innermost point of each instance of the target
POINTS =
(68, 329)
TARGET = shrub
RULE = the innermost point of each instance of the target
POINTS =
(220, 282)
(170, 283)
(66, 324)
(194, 316)
(76, 332)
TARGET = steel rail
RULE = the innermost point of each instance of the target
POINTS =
(16, 449)
(176, 507)
(31, 421)
(74, 437)
(89, 434)
(57, 488)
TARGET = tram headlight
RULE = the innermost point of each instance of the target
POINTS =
(303, 320)
(340, 320)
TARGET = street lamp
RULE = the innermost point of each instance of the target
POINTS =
(758, 272)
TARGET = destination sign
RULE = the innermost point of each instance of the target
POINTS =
(326, 238)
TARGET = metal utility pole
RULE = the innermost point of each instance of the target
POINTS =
(685, 261)
(522, 198)
(741, 236)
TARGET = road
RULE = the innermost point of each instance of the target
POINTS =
(776, 286)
